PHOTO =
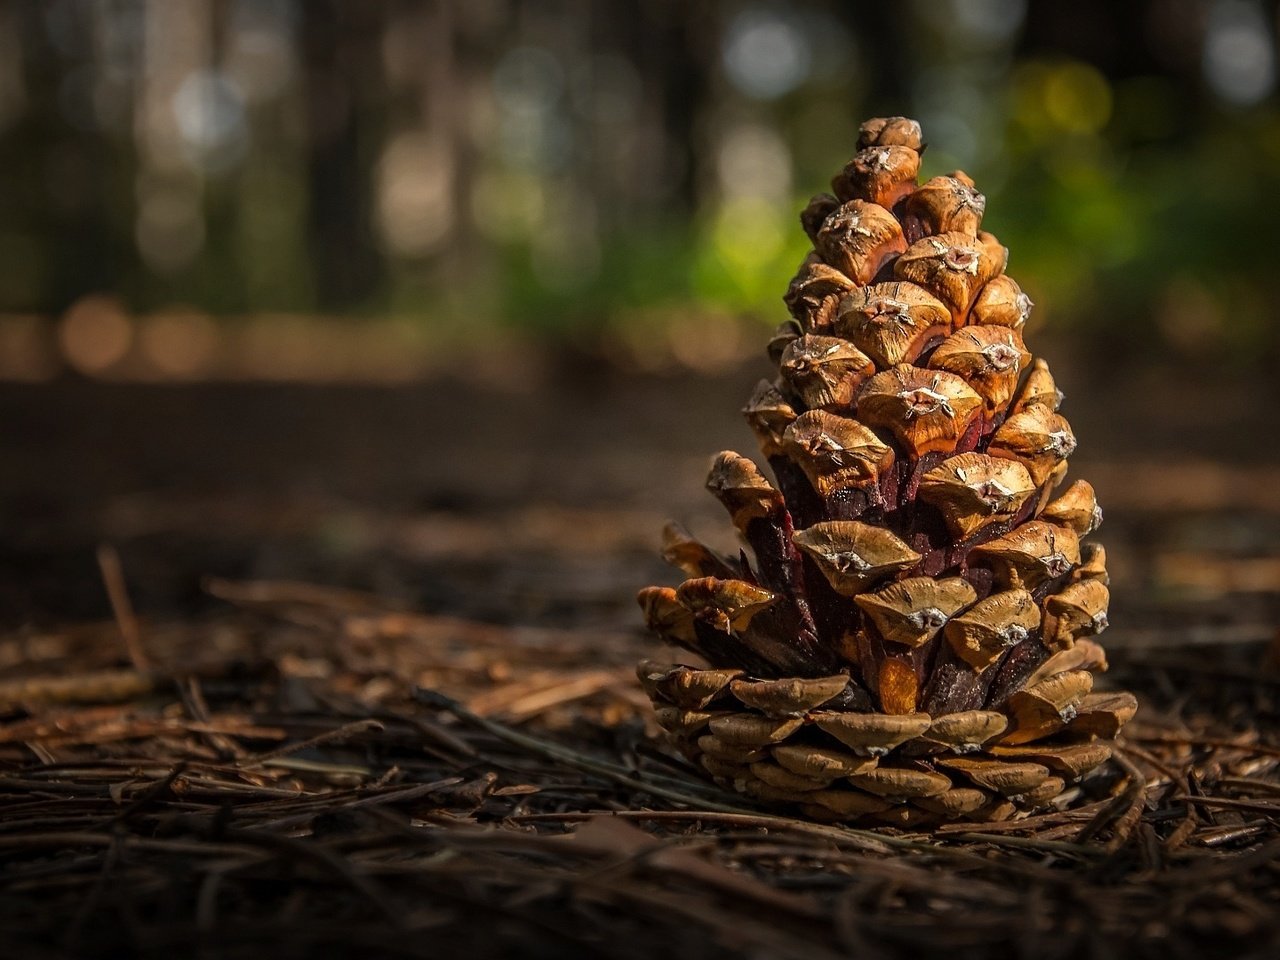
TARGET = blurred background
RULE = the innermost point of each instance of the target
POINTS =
(330, 189)
(414, 294)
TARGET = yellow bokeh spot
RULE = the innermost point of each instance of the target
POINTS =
(1077, 98)
(748, 233)
(508, 207)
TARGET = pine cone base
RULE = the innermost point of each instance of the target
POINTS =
(782, 742)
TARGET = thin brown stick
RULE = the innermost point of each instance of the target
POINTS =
(122, 606)
(329, 736)
(101, 686)
(1222, 742)
(1255, 806)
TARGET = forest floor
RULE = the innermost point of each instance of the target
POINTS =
(348, 671)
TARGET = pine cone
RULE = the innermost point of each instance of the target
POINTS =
(908, 642)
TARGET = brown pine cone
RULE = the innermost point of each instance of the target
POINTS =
(909, 640)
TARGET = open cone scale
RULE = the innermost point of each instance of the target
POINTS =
(909, 639)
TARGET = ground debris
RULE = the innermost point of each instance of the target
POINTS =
(314, 770)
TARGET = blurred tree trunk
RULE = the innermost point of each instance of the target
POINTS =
(341, 53)
(675, 47)
(60, 235)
